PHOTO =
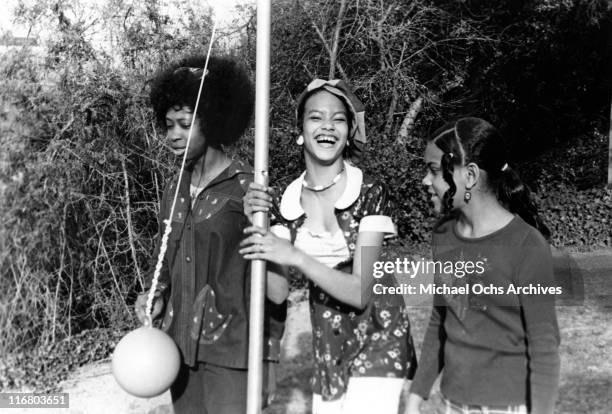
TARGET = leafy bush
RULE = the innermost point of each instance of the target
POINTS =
(570, 184)
(78, 214)
(401, 168)
(81, 174)
(579, 220)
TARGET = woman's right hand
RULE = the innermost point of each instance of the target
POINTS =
(257, 198)
(141, 305)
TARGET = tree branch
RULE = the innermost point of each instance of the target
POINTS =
(320, 34)
(128, 212)
(379, 34)
(409, 120)
(610, 152)
(391, 111)
(333, 54)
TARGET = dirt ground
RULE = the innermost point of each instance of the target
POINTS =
(586, 355)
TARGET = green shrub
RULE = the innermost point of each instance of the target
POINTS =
(78, 210)
(579, 220)
(570, 184)
(81, 172)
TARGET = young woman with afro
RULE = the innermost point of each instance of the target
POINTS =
(203, 287)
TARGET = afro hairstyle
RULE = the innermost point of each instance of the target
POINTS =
(227, 99)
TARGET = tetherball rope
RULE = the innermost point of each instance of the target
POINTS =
(168, 221)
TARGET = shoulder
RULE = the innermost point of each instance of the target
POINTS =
(170, 185)
(373, 188)
(372, 198)
(444, 227)
(532, 253)
(530, 239)
(242, 173)
(286, 203)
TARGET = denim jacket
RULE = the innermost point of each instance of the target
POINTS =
(205, 281)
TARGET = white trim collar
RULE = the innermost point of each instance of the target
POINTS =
(291, 208)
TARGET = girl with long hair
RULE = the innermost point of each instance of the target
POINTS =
(496, 341)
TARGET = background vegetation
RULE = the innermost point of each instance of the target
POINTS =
(83, 165)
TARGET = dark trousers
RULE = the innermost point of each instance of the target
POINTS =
(211, 389)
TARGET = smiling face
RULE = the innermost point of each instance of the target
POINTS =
(434, 180)
(178, 122)
(325, 127)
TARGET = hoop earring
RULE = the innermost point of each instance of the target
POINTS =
(300, 140)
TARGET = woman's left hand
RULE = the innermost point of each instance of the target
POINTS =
(263, 245)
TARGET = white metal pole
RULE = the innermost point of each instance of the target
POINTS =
(610, 140)
(258, 267)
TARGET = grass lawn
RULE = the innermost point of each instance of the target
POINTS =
(586, 343)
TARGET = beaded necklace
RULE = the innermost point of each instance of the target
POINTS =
(319, 188)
